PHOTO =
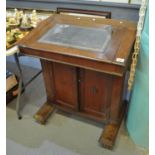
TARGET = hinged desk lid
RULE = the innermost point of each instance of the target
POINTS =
(104, 40)
(84, 38)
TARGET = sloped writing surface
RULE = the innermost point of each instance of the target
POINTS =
(84, 38)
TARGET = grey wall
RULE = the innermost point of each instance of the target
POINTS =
(119, 11)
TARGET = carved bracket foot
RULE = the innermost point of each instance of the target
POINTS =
(43, 113)
(108, 136)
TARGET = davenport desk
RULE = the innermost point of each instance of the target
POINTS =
(84, 62)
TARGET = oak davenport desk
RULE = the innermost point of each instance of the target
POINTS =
(84, 62)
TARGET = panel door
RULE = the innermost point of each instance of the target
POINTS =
(65, 80)
(95, 93)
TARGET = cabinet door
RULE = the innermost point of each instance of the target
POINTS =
(65, 80)
(95, 89)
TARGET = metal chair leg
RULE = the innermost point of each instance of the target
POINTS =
(19, 87)
(18, 100)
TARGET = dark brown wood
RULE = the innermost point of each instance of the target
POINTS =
(43, 113)
(81, 11)
(65, 80)
(95, 88)
(116, 99)
(120, 34)
(78, 62)
(89, 84)
(109, 134)
(49, 84)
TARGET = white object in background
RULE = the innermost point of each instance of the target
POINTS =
(120, 60)
(12, 51)
(115, 1)
(136, 1)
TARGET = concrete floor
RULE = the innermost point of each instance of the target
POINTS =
(64, 134)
